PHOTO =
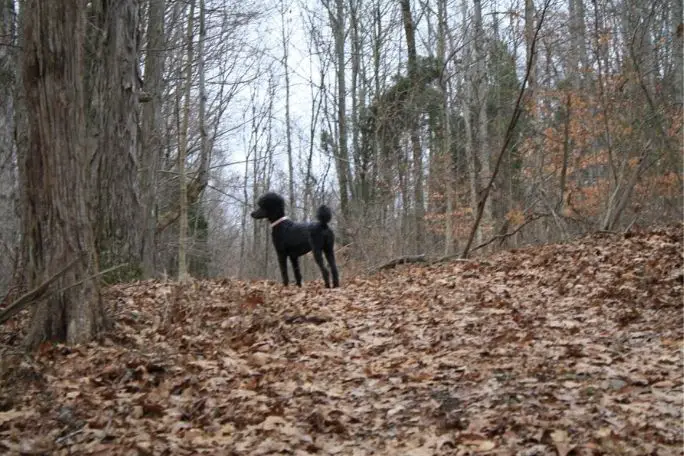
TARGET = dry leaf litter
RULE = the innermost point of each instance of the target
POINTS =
(571, 349)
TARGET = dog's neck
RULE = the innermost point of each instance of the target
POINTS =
(279, 221)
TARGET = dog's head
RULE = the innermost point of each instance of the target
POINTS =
(271, 206)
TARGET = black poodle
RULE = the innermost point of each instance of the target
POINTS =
(293, 239)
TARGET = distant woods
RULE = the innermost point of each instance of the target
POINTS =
(135, 135)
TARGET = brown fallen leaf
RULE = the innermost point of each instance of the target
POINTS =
(561, 441)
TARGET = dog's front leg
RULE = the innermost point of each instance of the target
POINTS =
(282, 262)
(295, 268)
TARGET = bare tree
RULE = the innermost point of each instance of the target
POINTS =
(445, 146)
(481, 90)
(337, 19)
(285, 41)
(151, 132)
(417, 151)
(468, 88)
(183, 151)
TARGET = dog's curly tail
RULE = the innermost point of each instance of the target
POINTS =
(324, 215)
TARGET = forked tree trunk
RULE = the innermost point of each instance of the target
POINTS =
(56, 224)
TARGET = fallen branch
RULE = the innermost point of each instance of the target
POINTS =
(313, 319)
(32, 296)
(401, 260)
(454, 257)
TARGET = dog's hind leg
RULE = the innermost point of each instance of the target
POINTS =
(295, 267)
(324, 271)
(330, 257)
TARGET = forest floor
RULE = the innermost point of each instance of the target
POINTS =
(561, 349)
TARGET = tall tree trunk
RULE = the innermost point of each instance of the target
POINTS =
(285, 40)
(115, 96)
(572, 58)
(8, 81)
(151, 133)
(529, 39)
(205, 152)
(578, 61)
(200, 259)
(482, 90)
(183, 152)
(357, 100)
(380, 141)
(445, 133)
(56, 222)
(9, 85)
(678, 34)
(419, 210)
(567, 140)
(337, 20)
(471, 157)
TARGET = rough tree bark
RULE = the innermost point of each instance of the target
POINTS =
(7, 82)
(115, 131)
(8, 178)
(56, 224)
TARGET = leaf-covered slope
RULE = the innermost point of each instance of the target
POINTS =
(560, 349)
